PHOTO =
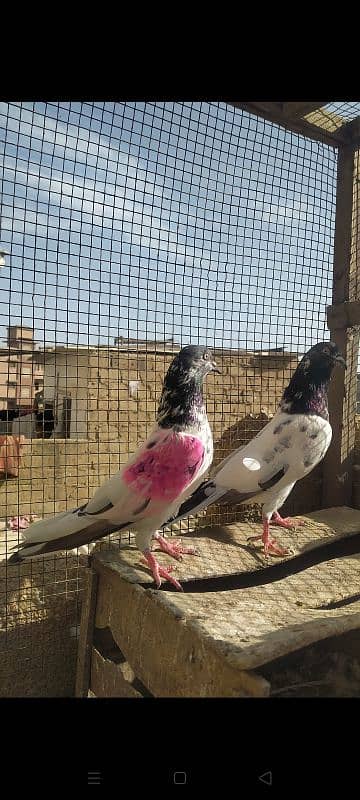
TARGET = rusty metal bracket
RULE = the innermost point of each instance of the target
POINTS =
(343, 315)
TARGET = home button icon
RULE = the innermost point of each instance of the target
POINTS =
(179, 777)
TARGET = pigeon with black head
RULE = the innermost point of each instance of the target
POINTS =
(151, 486)
(296, 439)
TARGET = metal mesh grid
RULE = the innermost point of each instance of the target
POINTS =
(347, 111)
(132, 229)
(333, 116)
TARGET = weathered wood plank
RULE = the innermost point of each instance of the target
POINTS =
(223, 550)
(337, 467)
(109, 679)
(203, 644)
(86, 634)
(343, 226)
(171, 658)
(343, 315)
(298, 110)
(254, 626)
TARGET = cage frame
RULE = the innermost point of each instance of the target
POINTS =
(343, 316)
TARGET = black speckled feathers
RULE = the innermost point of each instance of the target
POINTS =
(287, 448)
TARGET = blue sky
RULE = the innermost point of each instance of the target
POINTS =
(191, 220)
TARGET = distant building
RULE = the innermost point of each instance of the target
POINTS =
(21, 370)
(146, 344)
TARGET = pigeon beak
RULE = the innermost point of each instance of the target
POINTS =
(214, 368)
(340, 360)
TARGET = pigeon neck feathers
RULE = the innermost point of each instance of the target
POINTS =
(307, 390)
(181, 404)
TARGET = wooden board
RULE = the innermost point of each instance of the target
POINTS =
(338, 462)
(224, 550)
(109, 679)
(168, 656)
(86, 634)
(209, 644)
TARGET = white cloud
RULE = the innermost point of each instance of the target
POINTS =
(278, 212)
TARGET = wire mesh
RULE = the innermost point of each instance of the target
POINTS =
(347, 111)
(131, 229)
(333, 116)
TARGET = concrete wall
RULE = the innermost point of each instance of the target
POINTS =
(53, 476)
(39, 614)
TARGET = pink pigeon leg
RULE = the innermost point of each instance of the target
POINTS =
(270, 544)
(159, 572)
(285, 522)
(174, 548)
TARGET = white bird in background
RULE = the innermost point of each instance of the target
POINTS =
(284, 451)
(150, 487)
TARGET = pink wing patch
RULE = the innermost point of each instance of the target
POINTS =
(164, 471)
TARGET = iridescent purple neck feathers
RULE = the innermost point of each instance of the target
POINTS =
(307, 391)
(310, 400)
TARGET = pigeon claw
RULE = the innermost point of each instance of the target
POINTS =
(175, 548)
(286, 522)
(270, 544)
(160, 572)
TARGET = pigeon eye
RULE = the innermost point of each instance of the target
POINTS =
(206, 356)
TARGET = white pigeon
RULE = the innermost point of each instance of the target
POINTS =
(295, 440)
(149, 488)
